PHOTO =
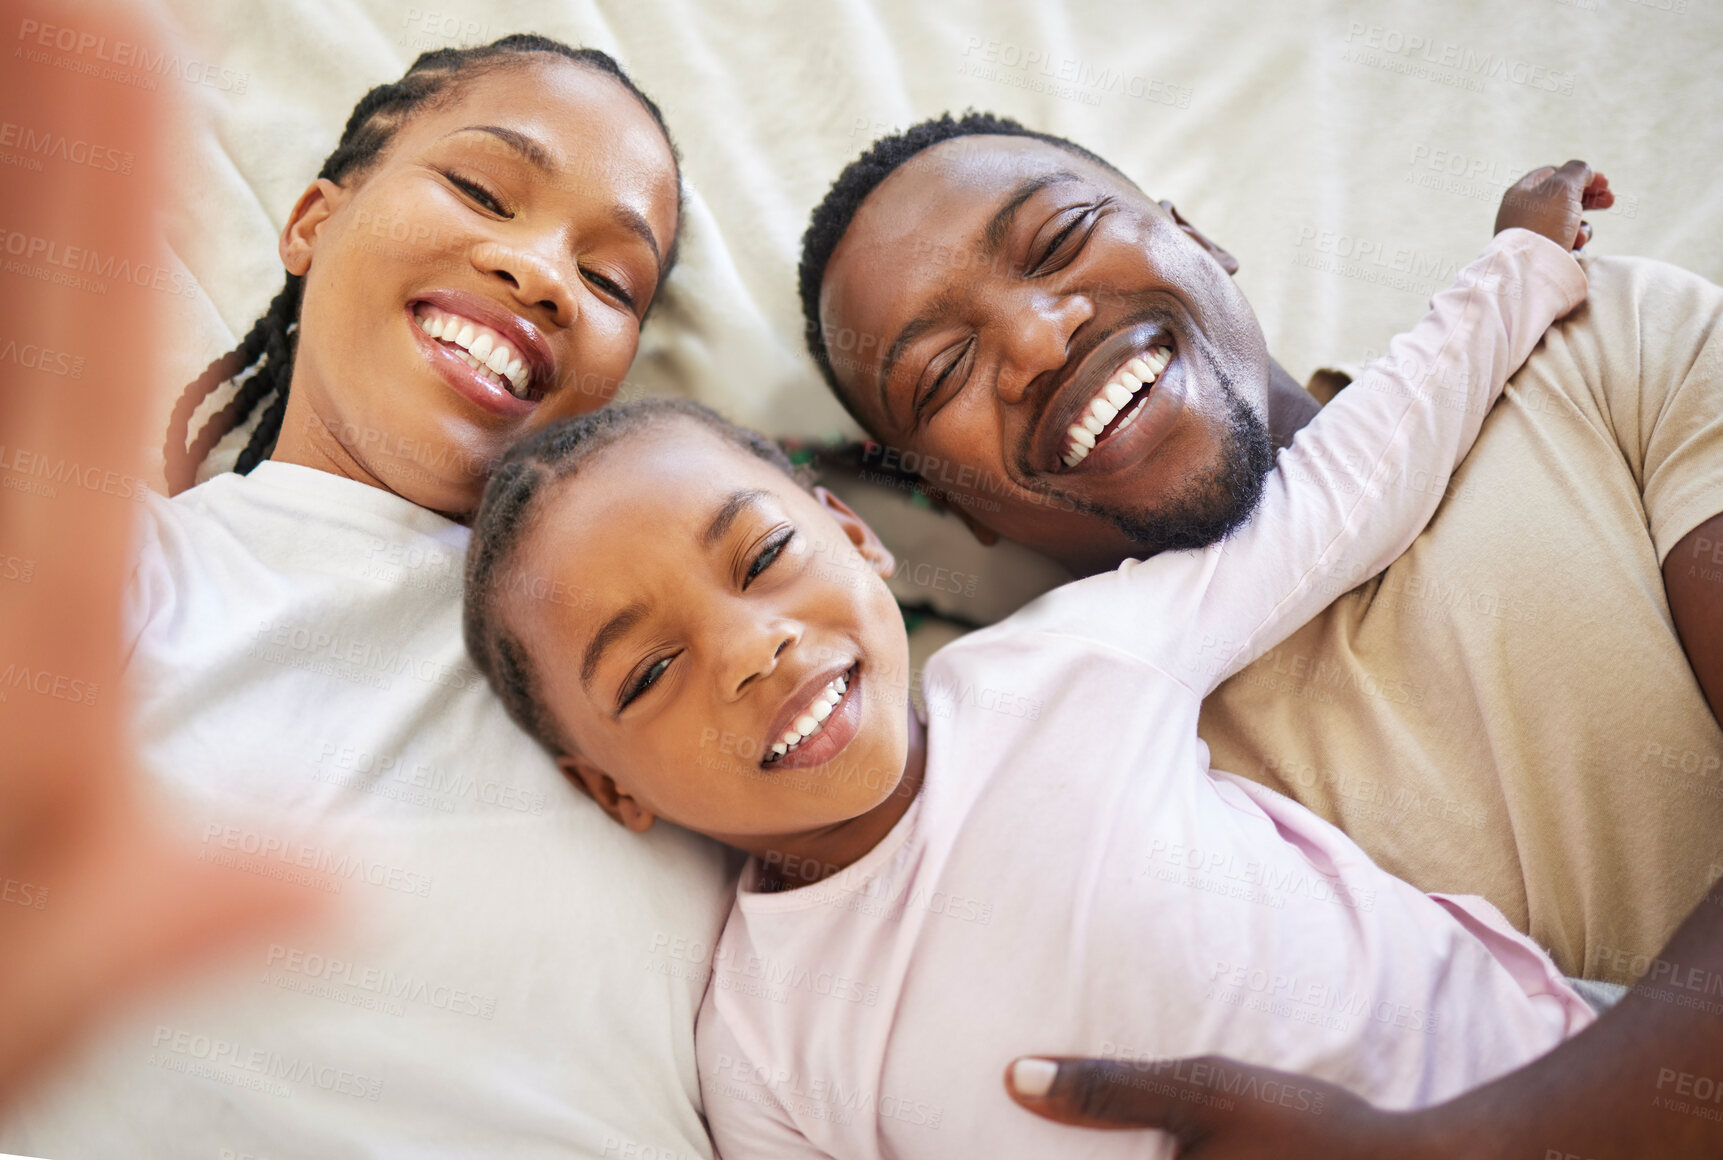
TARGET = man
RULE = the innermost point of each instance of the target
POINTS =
(1509, 710)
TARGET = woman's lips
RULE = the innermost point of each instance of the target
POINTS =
(465, 380)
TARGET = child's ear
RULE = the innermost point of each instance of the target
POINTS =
(856, 528)
(306, 221)
(1226, 260)
(602, 788)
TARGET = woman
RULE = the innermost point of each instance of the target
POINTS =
(473, 261)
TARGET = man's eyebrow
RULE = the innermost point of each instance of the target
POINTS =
(614, 629)
(526, 146)
(992, 237)
(738, 502)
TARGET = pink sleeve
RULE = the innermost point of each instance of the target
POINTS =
(1359, 482)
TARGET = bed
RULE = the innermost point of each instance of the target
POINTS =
(1350, 155)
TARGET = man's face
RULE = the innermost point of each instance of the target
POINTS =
(990, 290)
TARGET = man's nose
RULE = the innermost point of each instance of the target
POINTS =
(532, 279)
(1036, 339)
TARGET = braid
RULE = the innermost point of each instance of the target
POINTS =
(267, 349)
(511, 499)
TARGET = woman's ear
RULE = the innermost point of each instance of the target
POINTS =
(306, 221)
(858, 532)
(1226, 260)
(602, 788)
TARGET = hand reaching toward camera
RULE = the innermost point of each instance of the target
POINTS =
(96, 900)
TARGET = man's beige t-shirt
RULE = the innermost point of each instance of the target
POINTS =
(1507, 710)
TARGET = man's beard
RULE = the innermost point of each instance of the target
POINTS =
(1210, 505)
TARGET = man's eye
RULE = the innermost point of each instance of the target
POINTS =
(477, 192)
(768, 555)
(644, 681)
(1068, 240)
(937, 388)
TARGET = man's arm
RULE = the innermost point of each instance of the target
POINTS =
(1645, 1080)
(1693, 577)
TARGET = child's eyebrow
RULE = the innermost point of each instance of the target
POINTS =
(614, 630)
(739, 502)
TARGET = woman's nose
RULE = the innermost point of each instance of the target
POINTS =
(534, 281)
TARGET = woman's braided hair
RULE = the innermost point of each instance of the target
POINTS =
(507, 511)
(264, 358)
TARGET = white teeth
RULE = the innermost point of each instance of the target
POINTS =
(1115, 398)
(485, 349)
(809, 723)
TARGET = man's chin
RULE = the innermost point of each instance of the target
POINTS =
(1211, 505)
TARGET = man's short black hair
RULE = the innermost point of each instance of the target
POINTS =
(831, 218)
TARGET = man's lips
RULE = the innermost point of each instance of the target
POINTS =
(1148, 414)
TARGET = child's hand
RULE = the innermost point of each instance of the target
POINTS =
(1549, 201)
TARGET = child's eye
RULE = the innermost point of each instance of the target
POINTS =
(477, 192)
(644, 681)
(768, 554)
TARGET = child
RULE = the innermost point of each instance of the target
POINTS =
(1045, 861)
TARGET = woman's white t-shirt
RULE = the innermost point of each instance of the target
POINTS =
(499, 981)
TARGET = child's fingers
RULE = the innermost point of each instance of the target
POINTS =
(1577, 173)
(1598, 195)
(1583, 237)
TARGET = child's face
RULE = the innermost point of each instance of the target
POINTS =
(688, 604)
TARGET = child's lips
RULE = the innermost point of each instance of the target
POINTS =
(834, 733)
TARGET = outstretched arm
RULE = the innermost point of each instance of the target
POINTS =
(95, 901)
(1645, 1080)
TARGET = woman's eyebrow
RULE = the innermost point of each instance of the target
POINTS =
(528, 147)
(531, 150)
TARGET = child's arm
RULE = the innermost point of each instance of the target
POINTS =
(1359, 482)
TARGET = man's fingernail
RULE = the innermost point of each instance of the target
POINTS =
(1033, 1077)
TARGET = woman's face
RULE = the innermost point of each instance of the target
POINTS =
(529, 214)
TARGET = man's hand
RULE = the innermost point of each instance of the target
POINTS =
(1215, 1109)
(1549, 201)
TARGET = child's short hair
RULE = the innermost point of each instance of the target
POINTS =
(506, 513)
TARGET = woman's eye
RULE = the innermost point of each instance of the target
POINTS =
(478, 193)
(645, 681)
(767, 555)
(609, 287)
